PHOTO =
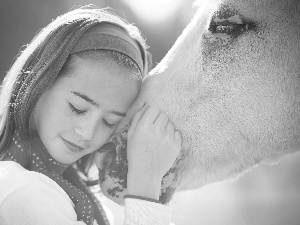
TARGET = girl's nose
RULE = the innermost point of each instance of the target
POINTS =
(87, 128)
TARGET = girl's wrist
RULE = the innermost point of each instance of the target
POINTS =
(143, 185)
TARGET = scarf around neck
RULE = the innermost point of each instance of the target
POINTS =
(87, 207)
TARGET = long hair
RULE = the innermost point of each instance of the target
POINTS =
(38, 66)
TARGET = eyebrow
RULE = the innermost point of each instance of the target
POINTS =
(94, 103)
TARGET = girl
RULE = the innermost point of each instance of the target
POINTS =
(62, 100)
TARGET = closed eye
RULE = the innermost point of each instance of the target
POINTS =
(108, 124)
(75, 110)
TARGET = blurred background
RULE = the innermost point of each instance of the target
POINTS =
(266, 195)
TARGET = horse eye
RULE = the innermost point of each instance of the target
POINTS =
(232, 29)
(228, 22)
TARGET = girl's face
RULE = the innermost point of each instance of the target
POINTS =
(80, 111)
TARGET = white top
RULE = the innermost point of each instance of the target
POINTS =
(31, 198)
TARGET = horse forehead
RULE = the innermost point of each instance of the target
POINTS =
(261, 8)
(262, 3)
(257, 9)
(275, 16)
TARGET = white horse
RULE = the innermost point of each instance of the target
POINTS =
(231, 85)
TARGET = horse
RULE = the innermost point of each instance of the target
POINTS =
(231, 86)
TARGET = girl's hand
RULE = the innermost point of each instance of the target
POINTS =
(152, 147)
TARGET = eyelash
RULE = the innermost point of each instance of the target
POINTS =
(229, 21)
(81, 112)
(230, 28)
(75, 110)
(108, 124)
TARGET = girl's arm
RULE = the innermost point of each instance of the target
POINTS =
(153, 146)
(140, 212)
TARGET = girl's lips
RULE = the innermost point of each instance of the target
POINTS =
(71, 146)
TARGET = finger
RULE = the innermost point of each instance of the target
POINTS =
(178, 138)
(150, 115)
(170, 129)
(136, 118)
(162, 121)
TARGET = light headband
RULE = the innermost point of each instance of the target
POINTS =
(109, 36)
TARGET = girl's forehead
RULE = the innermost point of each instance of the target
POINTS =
(98, 78)
(104, 68)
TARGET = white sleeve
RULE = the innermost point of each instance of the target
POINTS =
(37, 205)
(140, 212)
